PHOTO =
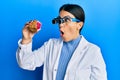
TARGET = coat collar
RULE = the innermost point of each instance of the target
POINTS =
(77, 53)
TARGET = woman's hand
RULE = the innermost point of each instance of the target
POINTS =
(27, 35)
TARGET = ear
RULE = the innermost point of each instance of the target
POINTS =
(79, 25)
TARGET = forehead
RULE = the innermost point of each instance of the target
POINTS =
(65, 13)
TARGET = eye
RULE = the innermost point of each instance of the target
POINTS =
(67, 18)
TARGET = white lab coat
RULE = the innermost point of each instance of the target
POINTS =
(86, 63)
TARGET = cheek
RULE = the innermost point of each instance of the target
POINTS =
(71, 30)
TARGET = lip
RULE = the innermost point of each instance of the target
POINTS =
(61, 33)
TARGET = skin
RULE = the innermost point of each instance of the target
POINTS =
(68, 30)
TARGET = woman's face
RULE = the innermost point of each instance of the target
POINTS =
(69, 30)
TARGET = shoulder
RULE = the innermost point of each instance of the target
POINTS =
(93, 46)
(54, 41)
(94, 51)
(90, 45)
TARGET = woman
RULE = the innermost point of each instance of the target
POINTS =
(71, 57)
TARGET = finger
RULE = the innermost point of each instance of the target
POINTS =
(27, 23)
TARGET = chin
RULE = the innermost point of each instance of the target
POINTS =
(66, 40)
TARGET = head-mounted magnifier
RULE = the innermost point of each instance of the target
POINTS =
(60, 20)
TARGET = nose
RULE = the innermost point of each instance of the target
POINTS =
(61, 25)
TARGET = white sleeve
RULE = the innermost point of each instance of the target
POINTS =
(98, 69)
(28, 59)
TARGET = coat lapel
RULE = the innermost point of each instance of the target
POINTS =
(76, 57)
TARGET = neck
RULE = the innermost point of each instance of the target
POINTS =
(76, 36)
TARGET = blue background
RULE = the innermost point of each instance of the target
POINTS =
(101, 27)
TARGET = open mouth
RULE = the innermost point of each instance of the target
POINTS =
(61, 33)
